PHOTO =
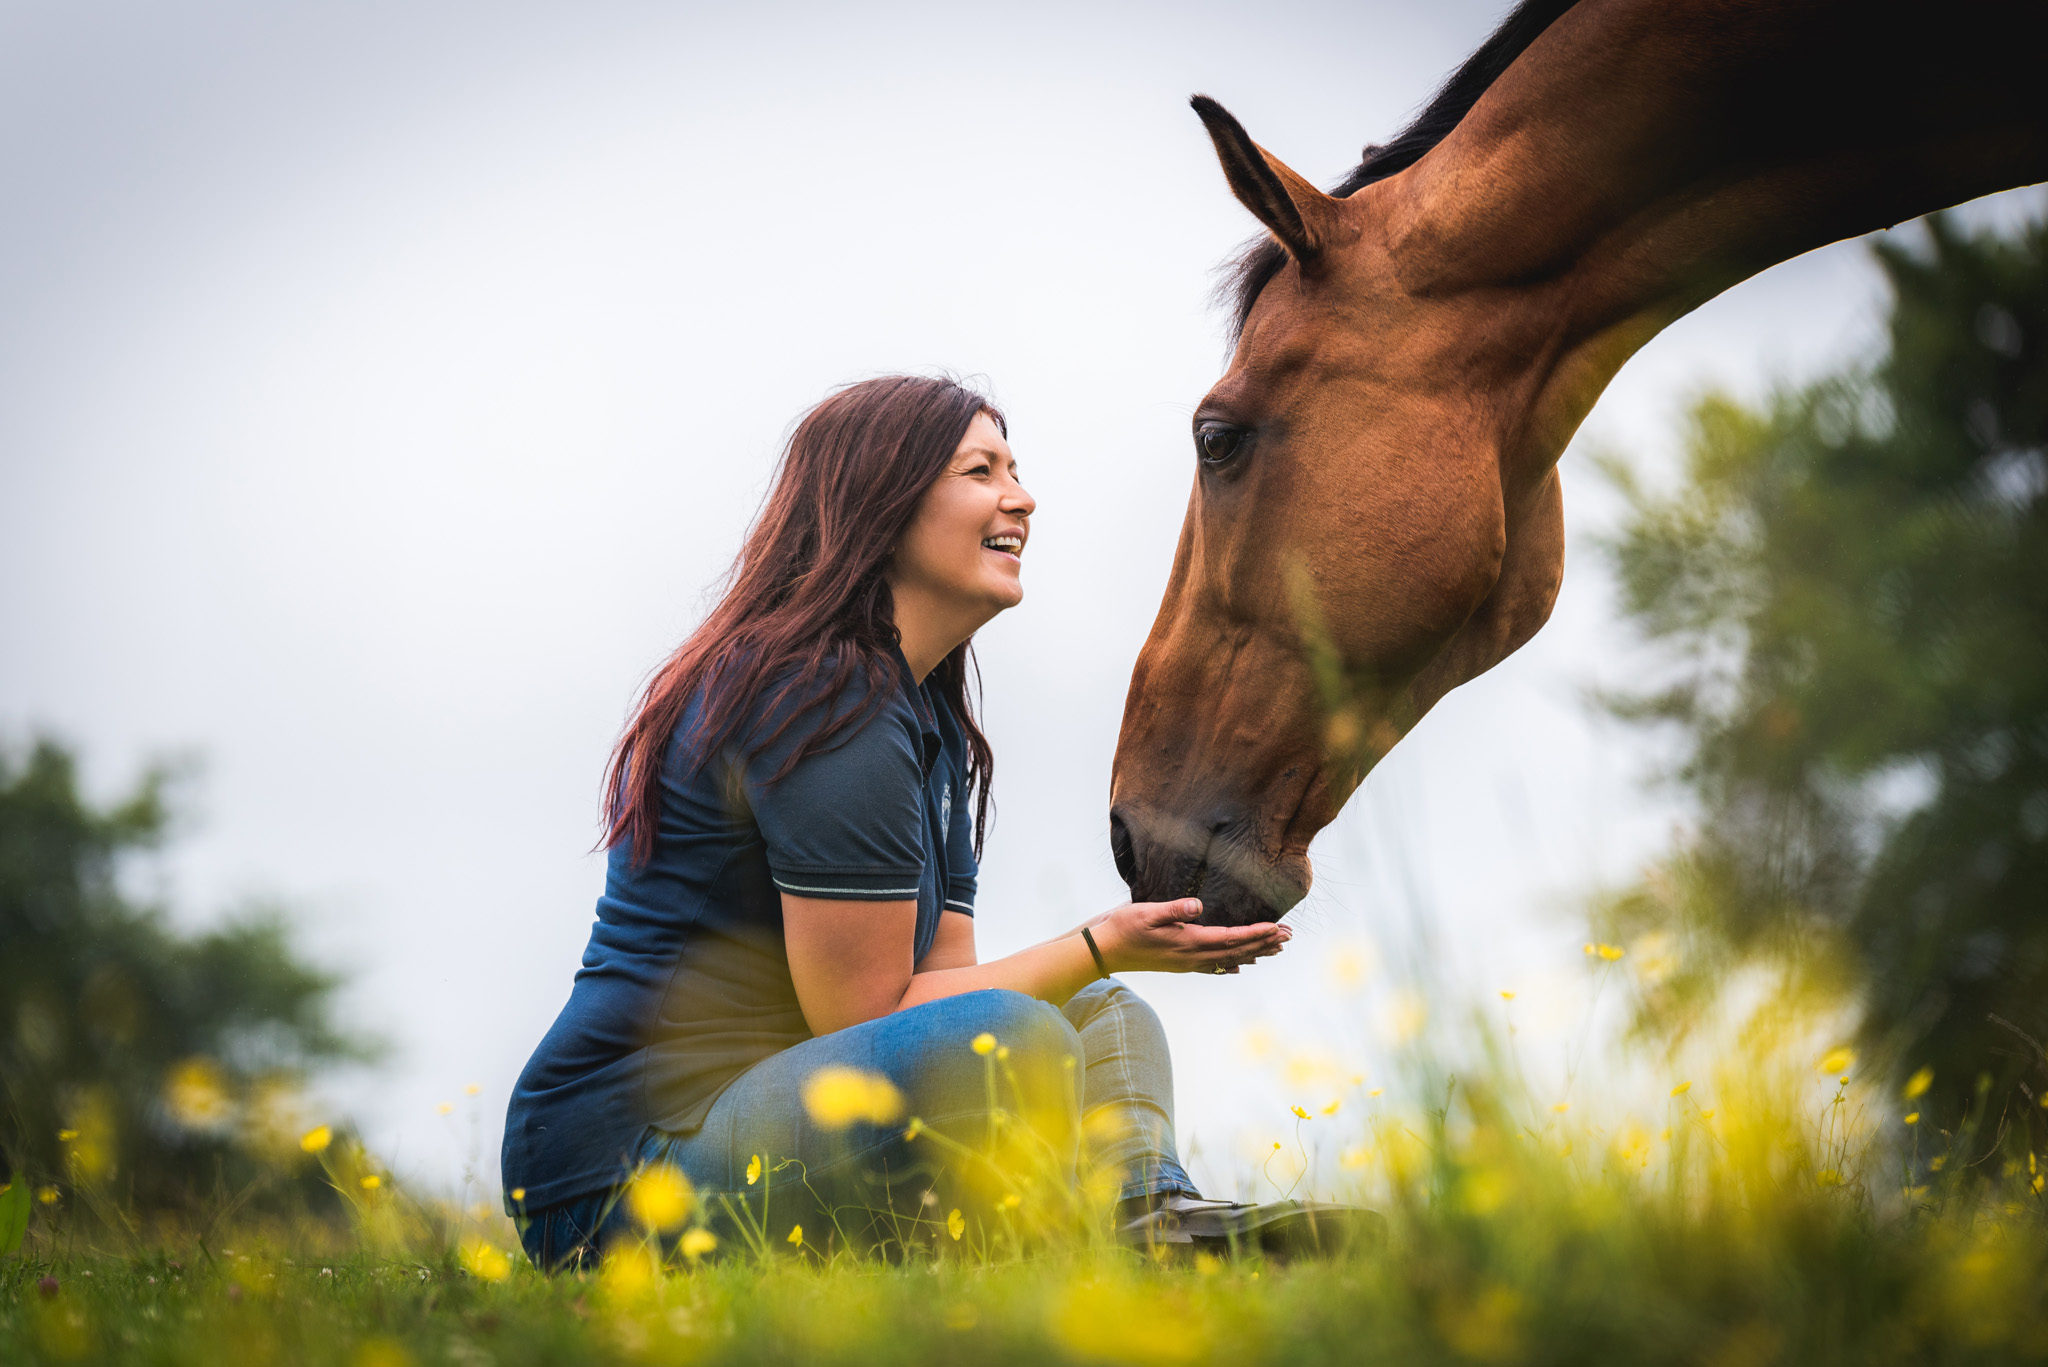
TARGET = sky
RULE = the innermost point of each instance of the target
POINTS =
(384, 386)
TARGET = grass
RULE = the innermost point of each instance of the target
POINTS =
(1726, 1242)
(1781, 1211)
(1606, 1279)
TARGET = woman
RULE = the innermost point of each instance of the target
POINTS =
(795, 816)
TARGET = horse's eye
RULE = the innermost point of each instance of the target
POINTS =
(1217, 443)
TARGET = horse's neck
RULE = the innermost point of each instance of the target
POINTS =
(1644, 155)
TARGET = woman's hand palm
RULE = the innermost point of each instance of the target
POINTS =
(1162, 937)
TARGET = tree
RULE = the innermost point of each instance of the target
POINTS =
(1849, 590)
(142, 1068)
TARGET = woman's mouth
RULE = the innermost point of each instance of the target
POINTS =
(1008, 543)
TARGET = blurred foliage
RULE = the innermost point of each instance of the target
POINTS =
(144, 1070)
(1849, 588)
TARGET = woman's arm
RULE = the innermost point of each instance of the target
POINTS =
(851, 961)
(952, 944)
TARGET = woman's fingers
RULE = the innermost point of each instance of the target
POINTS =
(1237, 938)
(1231, 948)
(1165, 934)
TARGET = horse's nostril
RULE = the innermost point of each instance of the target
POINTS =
(1120, 849)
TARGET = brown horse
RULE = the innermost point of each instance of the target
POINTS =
(1376, 515)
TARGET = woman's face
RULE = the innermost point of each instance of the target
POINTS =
(965, 544)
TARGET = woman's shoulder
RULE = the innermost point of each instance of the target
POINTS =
(839, 688)
(809, 703)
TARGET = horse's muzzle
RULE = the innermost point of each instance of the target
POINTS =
(1165, 859)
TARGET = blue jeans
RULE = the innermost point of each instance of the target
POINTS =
(1105, 1034)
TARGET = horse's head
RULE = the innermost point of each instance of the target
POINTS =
(1360, 540)
(1376, 517)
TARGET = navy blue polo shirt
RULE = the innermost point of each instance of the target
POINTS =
(685, 983)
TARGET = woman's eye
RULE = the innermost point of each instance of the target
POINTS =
(1217, 442)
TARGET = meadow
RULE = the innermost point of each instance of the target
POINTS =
(1778, 1209)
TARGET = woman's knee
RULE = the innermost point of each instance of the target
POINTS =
(1025, 1045)
(1107, 998)
(1022, 1025)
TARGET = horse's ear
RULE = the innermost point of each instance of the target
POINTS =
(1302, 218)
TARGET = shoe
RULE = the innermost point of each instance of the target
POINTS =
(1282, 1228)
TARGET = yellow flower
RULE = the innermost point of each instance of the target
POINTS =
(629, 1271)
(660, 1197)
(1681, 1089)
(1276, 1146)
(484, 1260)
(696, 1243)
(49, 1196)
(1611, 952)
(196, 1095)
(984, 1043)
(1837, 1060)
(445, 1108)
(1917, 1085)
(66, 1136)
(519, 1193)
(753, 1169)
(956, 1223)
(796, 1235)
(1010, 1201)
(916, 1128)
(1331, 1109)
(1002, 1053)
(837, 1097)
(1506, 995)
(1375, 1091)
(471, 1090)
(1706, 1115)
(1561, 1107)
(1590, 950)
(370, 1181)
(317, 1139)
(1299, 1113)
(1913, 1117)
(1936, 1163)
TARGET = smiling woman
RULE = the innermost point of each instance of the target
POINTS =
(788, 914)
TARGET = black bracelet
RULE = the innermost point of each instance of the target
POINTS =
(1094, 953)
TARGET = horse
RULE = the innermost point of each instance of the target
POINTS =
(1376, 515)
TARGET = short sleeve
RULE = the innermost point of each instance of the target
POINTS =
(848, 821)
(962, 869)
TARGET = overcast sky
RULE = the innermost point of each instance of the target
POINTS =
(382, 385)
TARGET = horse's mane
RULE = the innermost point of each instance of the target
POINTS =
(1262, 258)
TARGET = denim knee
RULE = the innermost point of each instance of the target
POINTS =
(1109, 994)
(1035, 1060)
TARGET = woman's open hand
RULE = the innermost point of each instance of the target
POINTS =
(1161, 937)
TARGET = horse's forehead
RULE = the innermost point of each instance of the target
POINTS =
(1352, 313)
(1287, 331)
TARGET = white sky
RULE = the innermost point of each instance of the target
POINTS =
(381, 386)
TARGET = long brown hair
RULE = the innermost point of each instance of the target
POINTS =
(806, 597)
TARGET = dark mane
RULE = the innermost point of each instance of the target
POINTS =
(1262, 258)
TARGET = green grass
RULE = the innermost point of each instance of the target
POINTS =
(1779, 1209)
(1507, 1245)
(1830, 1288)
